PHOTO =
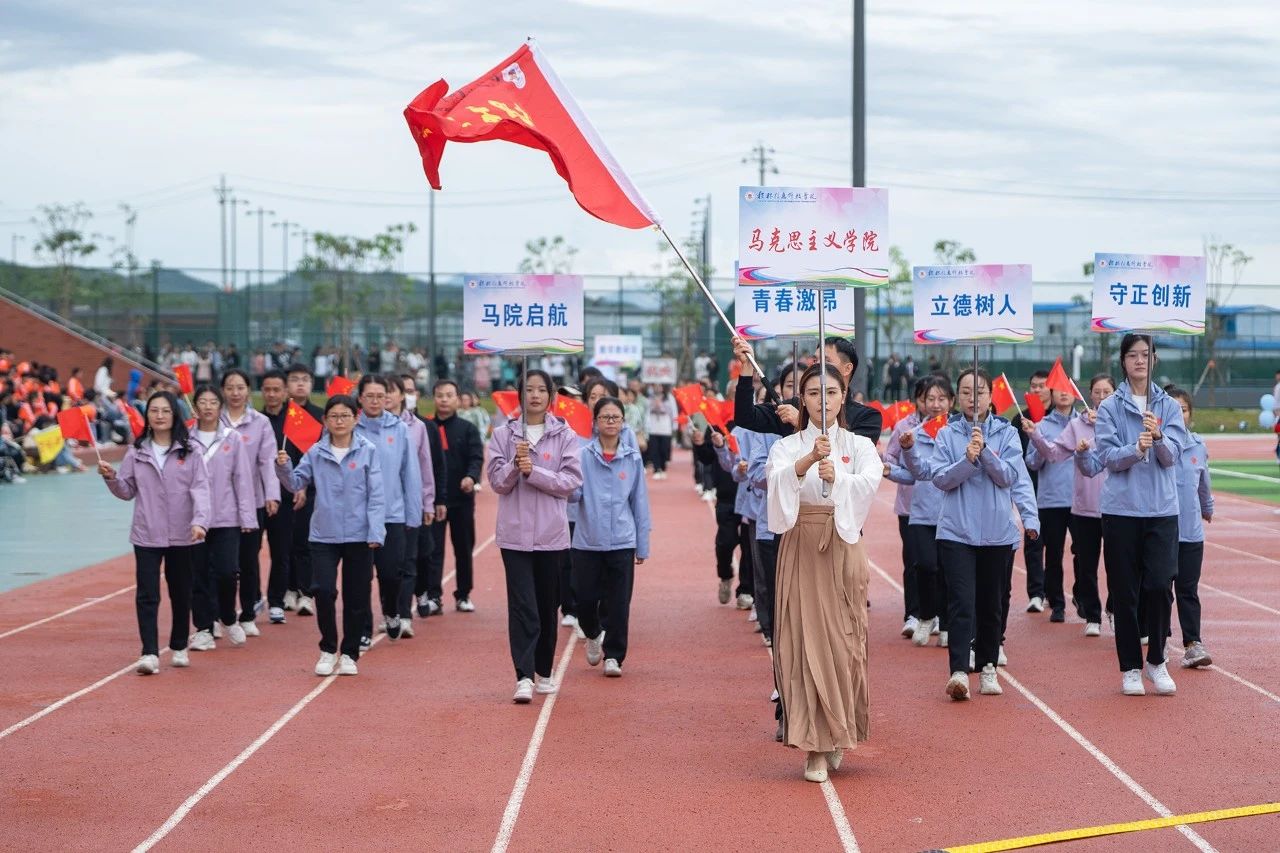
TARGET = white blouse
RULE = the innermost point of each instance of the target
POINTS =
(858, 474)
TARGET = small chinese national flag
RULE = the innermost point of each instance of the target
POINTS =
(1035, 408)
(339, 385)
(74, 423)
(575, 413)
(717, 412)
(1002, 395)
(185, 383)
(688, 398)
(508, 402)
(934, 425)
(903, 410)
(889, 415)
(732, 440)
(136, 424)
(1059, 381)
(301, 428)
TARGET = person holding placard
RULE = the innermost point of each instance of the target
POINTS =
(1054, 487)
(820, 620)
(534, 468)
(1140, 440)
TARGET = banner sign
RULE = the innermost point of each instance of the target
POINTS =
(971, 303)
(1153, 293)
(618, 351)
(659, 371)
(816, 235)
(522, 313)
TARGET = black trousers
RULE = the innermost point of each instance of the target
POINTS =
(1141, 556)
(408, 572)
(734, 533)
(910, 582)
(280, 545)
(1086, 552)
(603, 581)
(660, 451)
(1187, 588)
(177, 575)
(213, 582)
(389, 562)
(1006, 593)
(975, 580)
(300, 548)
(460, 521)
(426, 546)
(766, 565)
(533, 578)
(931, 581)
(357, 579)
(568, 601)
(250, 572)
(1053, 533)
(1033, 556)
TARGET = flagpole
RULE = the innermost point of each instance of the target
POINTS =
(975, 387)
(93, 439)
(822, 348)
(1021, 413)
(795, 368)
(1078, 394)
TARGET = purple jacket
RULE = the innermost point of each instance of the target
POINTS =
(420, 445)
(531, 510)
(893, 456)
(169, 504)
(259, 441)
(230, 481)
(1086, 496)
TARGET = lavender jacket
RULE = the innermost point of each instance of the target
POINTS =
(168, 504)
(893, 456)
(531, 510)
(230, 481)
(422, 447)
(259, 441)
(1086, 495)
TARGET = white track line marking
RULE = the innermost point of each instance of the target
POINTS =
(1239, 598)
(843, 829)
(1242, 553)
(1101, 757)
(67, 612)
(1222, 472)
(512, 811)
(1273, 697)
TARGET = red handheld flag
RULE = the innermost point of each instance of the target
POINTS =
(301, 427)
(889, 414)
(339, 385)
(1035, 408)
(688, 398)
(508, 402)
(575, 413)
(74, 423)
(733, 444)
(1059, 381)
(717, 412)
(904, 409)
(934, 425)
(136, 424)
(1002, 395)
(521, 100)
(185, 383)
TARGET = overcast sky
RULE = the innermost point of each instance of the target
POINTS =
(1033, 132)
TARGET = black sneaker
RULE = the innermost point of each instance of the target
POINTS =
(778, 734)
(366, 643)
(1057, 615)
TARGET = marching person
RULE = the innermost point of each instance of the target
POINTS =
(347, 527)
(534, 468)
(1195, 505)
(420, 449)
(231, 512)
(1140, 436)
(732, 531)
(298, 596)
(611, 536)
(168, 479)
(820, 618)
(1033, 548)
(427, 532)
(464, 460)
(1054, 489)
(275, 406)
(902, 509)
(976, 462)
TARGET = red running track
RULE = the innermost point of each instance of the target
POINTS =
(423, 750)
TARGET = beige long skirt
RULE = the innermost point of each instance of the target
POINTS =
(820, 635)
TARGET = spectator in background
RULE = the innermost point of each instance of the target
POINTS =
(203, 372)
(102, 379)
(389, 359)
(188, 355)
(482, 376)
(473, 413)
(231, 360)
(75, 388)
(258, 368)
(700, 366)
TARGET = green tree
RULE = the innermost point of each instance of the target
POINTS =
(548, 257)
(63, 240)
(894, 293)
(1225, 265)
(951, 252)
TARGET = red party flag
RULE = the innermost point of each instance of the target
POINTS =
(1059, 381)
(688, 398)
(339, 385)
(75, 424)
(136, 424)
(508, 402)
(521, 100)
(575, 413)
(185, 384)
(301, 427)
(1035, 408)
(1002, 395)
(934, 425)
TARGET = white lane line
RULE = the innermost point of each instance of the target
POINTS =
(1242, 553)
(1273, 697)
(192, 801)
(512, 811)
(67, 612)
(843, 829)
(1239, 598)
(1222, 472)
(1101, 757)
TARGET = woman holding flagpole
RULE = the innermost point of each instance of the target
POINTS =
(820, 612)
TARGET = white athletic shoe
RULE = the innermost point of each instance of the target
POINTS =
(942, 639)
(180, 658)
(578, 632)
(202, 641)
(217, 630)
(346, 666)
(568, 620)
(910, 627)
(291, 600)
(745, 601)
(697, 487)
(392, 627)
(326, 664)
(406, 627)
(989, 682)
(920, 635)
(612, 669)
(1159, 676)
(958, 686)
(1036, 605)
(382, 625)
(1093, 629)
(465, 606)
(544, 685)
(148, 665)
(1001, 660)
(524, 692)
(1144, 640)
(235, 633)
(937, 627)
(306, 605)
(1195, 655)
(250, 629)
(753, 616)
(595, 649)
(276, 616)
(725, 591)
(1132, 684)
(709, 496)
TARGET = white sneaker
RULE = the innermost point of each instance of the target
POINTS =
(465, 606)
(180, 658)
(406, 627)
(1132, 684)
(958, 686)
(524, 692)
(942, 639)
(382, 625)
(708, 496)
(250, 629)
(202, 641)
(753, 616)
(612, 669)
(290, 600)
(1144, 640)
(745, 601)
(595, 649)
(568, 620)
(1001, 660)
(235, 633)
(578, 632)
(937, 627)
(1093, 629)
(259, 606)
(725, 591)
(306, 605)
(1036, 605)
(148, 665)
(1159, 676)
(1195, 655)
(910, 627)
(392, 627)
(920, 635)
(346, 666)
(544, 685)
(217, 630)
(325, 665)
(697, 487)
(276, 616)
(989, 682)
(433, 607)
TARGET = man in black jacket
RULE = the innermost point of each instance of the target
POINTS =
(731, 530)
(464, 458)
(781, 419)
(1033, 549)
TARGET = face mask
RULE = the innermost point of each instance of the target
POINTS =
(411, 401)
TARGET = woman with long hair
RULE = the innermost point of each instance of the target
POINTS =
(821, 485)
(167, 478)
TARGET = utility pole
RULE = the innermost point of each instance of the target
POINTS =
(859, 157)
(763, 158)
(235, 263)
(222, 191)
(284, 225)
(260, 213)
